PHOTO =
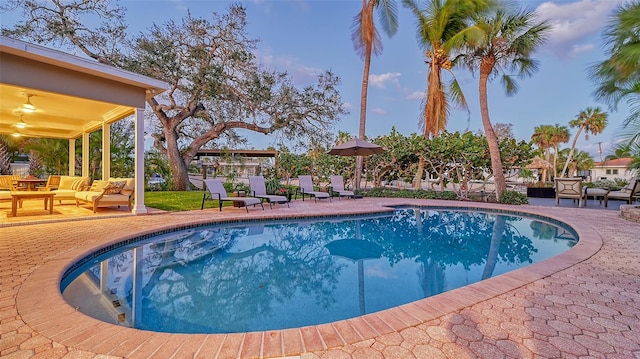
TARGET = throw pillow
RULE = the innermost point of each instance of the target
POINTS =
(77, 185)
(114, 187)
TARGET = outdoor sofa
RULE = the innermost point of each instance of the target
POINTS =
(113, 192)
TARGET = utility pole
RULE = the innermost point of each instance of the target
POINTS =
(600, 150)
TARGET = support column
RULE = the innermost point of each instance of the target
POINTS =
(138, 206)
(106, 151)
(85, 154)
(72, 157)
(138, 283)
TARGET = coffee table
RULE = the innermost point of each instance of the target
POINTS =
(19, 196)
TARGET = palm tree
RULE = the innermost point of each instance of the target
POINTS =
(618, 77)
(559, 134)
(442, 28)
(592, 120)
(506, 46)
(623, 150)
(543, 138)
(366, 41)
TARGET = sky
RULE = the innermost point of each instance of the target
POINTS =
(306, 37)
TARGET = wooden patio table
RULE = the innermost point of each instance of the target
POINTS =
(19, 196)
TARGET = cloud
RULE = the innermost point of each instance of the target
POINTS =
(574, 25)
(381, 81)
(379, 111)
(416, 95)
(300, 73)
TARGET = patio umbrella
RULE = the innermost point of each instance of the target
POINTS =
(538, 162)
(356, 147)
(356, 250)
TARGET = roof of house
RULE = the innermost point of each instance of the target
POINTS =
(618, 162)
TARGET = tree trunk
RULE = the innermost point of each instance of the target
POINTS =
(417, 180)
(363, 98)
(492, 139)
(573, 146)
(176, 162)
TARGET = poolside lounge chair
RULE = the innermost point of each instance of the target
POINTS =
(569, 188)
(306, 188)
(628, 193)
(217, 192)
(337, 186)
(259, 190)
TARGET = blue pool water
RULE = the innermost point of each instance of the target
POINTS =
(271, 275)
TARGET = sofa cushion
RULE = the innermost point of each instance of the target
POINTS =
(98, 186)
(88, 196)
(73, 182)
(63, 193)
(66, 182)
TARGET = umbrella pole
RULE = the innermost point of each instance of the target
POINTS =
(359, 162)
(361, 286)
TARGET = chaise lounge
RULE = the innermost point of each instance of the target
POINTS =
(259, 190)
(337, 186)
(629, 193)
(306, 188)
(217, 192)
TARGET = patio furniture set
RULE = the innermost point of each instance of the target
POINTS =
(100, 193)
(216, 191)
(573, 188)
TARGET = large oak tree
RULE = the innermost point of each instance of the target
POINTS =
(216, 86)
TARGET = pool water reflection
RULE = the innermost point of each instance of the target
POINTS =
(283, 274)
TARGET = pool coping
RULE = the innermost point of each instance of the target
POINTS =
(42, 307)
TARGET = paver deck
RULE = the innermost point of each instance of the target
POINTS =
(584, 303)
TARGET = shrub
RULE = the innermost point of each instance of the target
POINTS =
(405, 193)
(514, 197)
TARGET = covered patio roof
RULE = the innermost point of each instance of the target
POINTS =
(71, 95)
(50, 94)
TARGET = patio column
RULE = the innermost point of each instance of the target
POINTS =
(106, 151)
(72, 157)
(138, 206)
(85, 154)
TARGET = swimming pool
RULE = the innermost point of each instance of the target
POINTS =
(281, 274)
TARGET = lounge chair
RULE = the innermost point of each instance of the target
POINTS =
(216, 191)
(306, 188)
(628, 193)
(259, 190)
(337, 186)
(569, 188)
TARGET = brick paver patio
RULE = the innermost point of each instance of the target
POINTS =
(584, 303)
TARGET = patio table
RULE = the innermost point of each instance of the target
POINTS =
(19, 196)
(31, 183)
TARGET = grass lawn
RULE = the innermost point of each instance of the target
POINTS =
(176, 201)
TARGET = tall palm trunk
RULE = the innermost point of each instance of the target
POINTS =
(432, 116)
(364, 92)
(494, 150)
(363, 113)
(570, 156)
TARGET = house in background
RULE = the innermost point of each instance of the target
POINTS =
(612, 169)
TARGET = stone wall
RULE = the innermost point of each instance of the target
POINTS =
(630, 212)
